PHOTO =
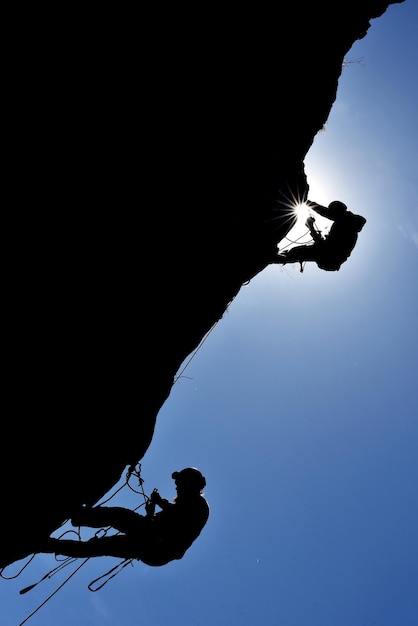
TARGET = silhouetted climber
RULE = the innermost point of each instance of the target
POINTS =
(155, 538)
(331, 251)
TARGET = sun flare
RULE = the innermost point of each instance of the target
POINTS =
(299, 233)
(302, 212)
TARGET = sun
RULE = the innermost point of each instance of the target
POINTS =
(299, 233)
(302, 212)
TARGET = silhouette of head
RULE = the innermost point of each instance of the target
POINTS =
(189, 479)
(337, 207)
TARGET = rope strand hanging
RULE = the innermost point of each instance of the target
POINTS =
(54, 592)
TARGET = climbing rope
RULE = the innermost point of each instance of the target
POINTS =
(134, 470)
(180, 375)
(114, 571)
(117, 569)
(19, 572)
(296, 241)
(50, 574)
(25, 565)
(54, 592)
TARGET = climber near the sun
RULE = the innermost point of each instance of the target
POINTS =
(154, 538)
(331, 251)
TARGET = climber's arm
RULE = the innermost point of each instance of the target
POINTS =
(319, 208)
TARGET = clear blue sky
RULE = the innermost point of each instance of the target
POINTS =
(300, 408)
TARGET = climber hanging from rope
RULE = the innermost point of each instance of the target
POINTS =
(331, 251)
(154, 538)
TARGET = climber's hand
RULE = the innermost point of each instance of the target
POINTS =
(155, 497)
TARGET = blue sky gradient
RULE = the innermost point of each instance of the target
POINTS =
(300, 408)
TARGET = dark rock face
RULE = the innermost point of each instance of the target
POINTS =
(151, 168)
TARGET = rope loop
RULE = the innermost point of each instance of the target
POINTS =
(116, 569)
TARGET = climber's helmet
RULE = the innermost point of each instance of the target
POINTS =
(189, 478)
(337, 207)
